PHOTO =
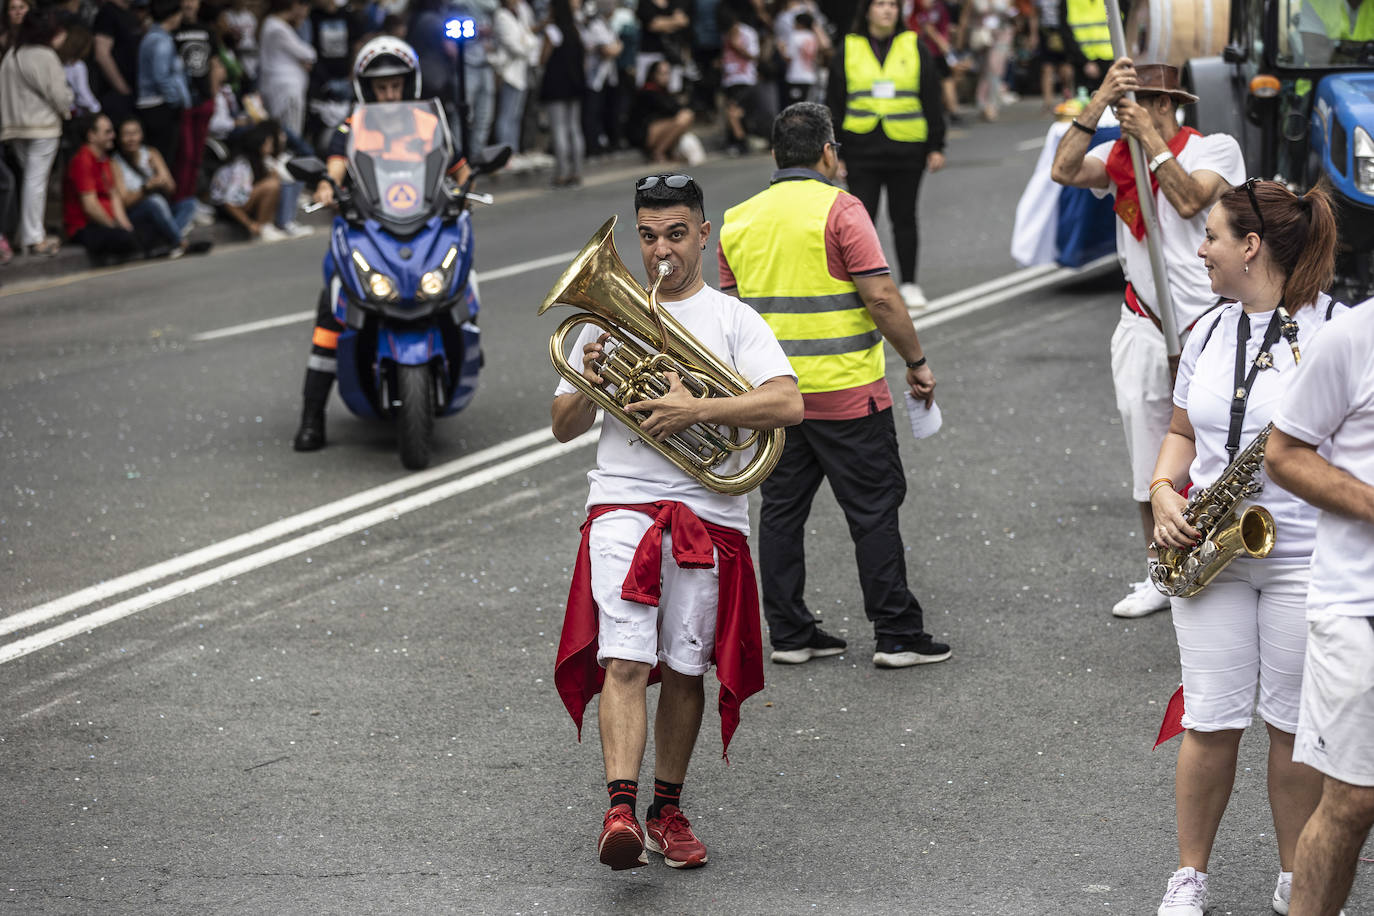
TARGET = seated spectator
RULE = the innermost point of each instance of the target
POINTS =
(73, 53)
(658, 119)
(35, 100)
(246, 189)
(93, 213)
(145, 184)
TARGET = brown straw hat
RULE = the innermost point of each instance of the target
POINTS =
(1163, 79)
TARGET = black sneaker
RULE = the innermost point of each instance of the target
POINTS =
(924, 651)
(821, 645)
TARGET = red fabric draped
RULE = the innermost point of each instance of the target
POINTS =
(1122, 174)
(739, 641)
(1173, 718)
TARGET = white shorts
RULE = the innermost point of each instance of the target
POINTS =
(1245, 629)
(1336, 728)
(1144, 394)
(681, 631)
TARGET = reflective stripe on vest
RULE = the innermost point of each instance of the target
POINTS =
(774, 243)
(1088, 22)
(1335, 16)
(899, 109)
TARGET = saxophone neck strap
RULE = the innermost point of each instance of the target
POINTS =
(1245, 380)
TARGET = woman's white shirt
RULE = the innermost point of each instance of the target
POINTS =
(1205, 388)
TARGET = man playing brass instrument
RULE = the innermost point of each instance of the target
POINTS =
(657, 536)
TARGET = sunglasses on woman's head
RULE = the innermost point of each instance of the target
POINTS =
(1250, 184)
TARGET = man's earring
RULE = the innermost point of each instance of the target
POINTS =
(1246, 268)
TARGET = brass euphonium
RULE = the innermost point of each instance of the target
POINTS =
(645, 342)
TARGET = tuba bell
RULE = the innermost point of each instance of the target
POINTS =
(645, 342)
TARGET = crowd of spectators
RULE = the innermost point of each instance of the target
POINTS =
(158, 116)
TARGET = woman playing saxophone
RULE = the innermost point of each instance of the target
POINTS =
(1271, 252)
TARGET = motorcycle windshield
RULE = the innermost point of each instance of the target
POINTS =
(398, 153)
(1326, 34)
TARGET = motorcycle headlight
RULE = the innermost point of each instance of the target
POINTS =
(432, 283)
(1364, 161)
(380, 286)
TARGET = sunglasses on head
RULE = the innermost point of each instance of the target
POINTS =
(672, 181)
(1250, 184)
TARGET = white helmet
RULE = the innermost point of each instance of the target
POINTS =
(385, 56)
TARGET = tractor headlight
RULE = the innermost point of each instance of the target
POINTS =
(434, 283)
(381, 287)
(1364, 161)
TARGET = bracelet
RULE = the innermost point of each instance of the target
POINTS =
(1159, 160)
(917, 364)
(1161, 482)
(1090, 131)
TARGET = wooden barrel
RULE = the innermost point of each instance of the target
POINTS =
(1172, 31)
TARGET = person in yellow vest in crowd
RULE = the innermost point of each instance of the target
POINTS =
(1323, 26)
(1089, 39)
(892, 124)
(831, 304)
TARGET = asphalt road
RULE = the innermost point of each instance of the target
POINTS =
(352, 711)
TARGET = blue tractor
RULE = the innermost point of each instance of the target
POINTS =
(1295, 86)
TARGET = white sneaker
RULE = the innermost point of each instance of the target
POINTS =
(1187, 894)
(205, 215)
(912, 295)
(297, 230)
(1283, 894)
(1143, 600)
(270, 233)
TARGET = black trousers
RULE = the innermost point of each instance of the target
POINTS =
(100, 241)
(860, 460)
(903, 183)
(162, 130)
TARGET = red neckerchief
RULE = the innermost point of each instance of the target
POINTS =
(1122, 174)
(739, 641)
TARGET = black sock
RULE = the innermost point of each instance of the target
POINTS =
(623, 792)
(665, 793)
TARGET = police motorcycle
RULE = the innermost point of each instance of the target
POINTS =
(398, 274)
(399, 271)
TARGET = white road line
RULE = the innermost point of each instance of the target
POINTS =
(944, 309)
(968, 301)
(109, 589)
(287, 549)
(484, 276)
(1026, 146)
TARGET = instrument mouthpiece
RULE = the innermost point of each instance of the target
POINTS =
(664, 268)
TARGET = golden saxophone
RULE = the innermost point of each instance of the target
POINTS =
(598, 281)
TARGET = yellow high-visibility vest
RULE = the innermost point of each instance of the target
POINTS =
(774, 243)
(1087, 20)
(889, 92)
(1335, 15)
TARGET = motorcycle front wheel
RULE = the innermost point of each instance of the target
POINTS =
(415, 415)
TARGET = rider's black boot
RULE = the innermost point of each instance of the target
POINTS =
(310, 436)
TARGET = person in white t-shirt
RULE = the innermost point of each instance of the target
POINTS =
(1330, 408)
(1188, 171)
(1271, 252)
(656, 536)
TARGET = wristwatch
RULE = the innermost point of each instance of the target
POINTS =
(917, 364)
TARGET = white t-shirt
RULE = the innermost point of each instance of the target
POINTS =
(741, 69)
(802, 65)
(1188, 283)
(1205, 387)
(628, 471)
(1331, 402)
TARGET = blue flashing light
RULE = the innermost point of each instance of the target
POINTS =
(460, 29)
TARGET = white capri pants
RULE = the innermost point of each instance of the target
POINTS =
(1144, 394)
(681, 631)
(1245, 629)
(1336, 728)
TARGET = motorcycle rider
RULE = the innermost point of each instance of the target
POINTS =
(386, 70)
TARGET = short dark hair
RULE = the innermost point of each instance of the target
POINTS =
(800, 133)
(661, 197)
(37, 28)
(161, 10)
(860, 24)
(87, 122)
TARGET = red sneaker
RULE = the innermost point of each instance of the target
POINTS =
(671, 836)
(622, 841)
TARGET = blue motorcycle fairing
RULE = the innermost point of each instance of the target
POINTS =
(409, 346)
(381, 251)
